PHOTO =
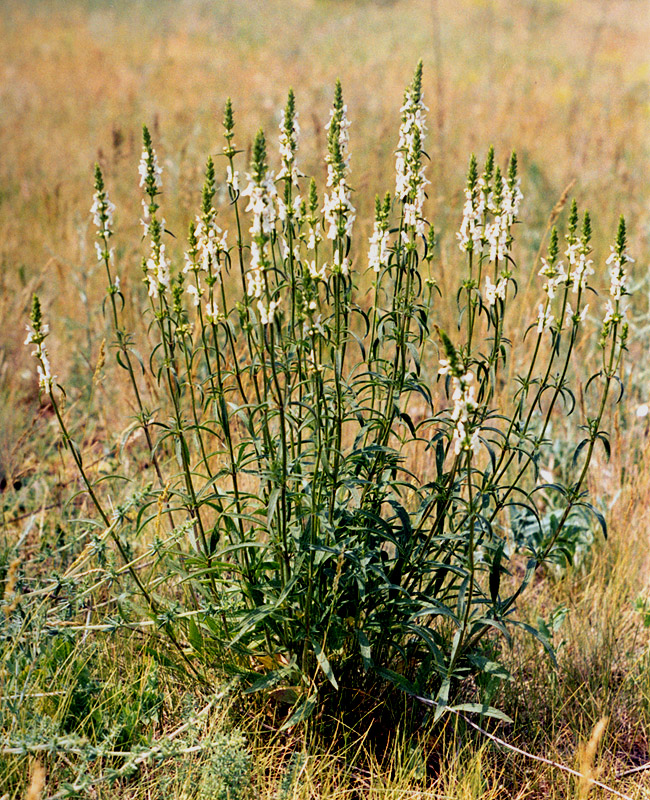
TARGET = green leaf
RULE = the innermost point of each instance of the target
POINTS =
(495, 573)
(364, 649)
(601, 519)
(489, 667)
(273, 502)
(395, 678)
(303, 712)
(324, 664)
(194, 636)
(483, 710)
(442, 700)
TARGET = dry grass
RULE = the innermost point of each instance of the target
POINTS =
(565, 83)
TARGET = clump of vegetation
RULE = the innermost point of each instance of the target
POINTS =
(331, 511)
(226, 776)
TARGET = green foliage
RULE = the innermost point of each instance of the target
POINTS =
(226, 775)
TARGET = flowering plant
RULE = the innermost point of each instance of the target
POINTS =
(311, 547)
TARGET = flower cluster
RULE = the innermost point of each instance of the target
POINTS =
(207, 241)
(466, 435)
(262, 195)
(211, 243)
(501, 198)
(503, 202)
(464, 403)
(338, 210)
(36, 334)
(495, 290)
(555, 275)
(149, 169)
(578, 248)
(470, 235)
(338, 138)
(289, 133)
(378, 252)
(410, 180)
(617, 260)
(103, 210)
(156, 267)
(618, 278)
(267, 314)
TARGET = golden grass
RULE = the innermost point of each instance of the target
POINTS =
(562, 82)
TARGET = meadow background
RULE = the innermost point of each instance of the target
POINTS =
(564, 82)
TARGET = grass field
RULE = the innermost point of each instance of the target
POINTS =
(565, 83)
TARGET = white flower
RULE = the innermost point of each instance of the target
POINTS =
(470, 235)
(195, 293)
(582, 270)
(614, 314)
(617, 273)
(102, 210)
(643, 411)
(378, 252)
(571, 316)
(492, 290)
(409, 172)
(158, 275)
(153, 286)
(261, 203)
(466, 436)
(339, 267)
(409, 175)
(267, 315)
(288, 147)
(410, 214)
(262, 197)
(343, 141)
(544, 318)
(45, 377)
(145, 217)
(556, 275)
(232, 179)
(317, 273)
(496, 234)
(37, 338)
(338, 209)
(145, 166)
(211, 312)
(465, 441)
(254, 283)
(511, 200)
(210, 243)
(315, 236)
